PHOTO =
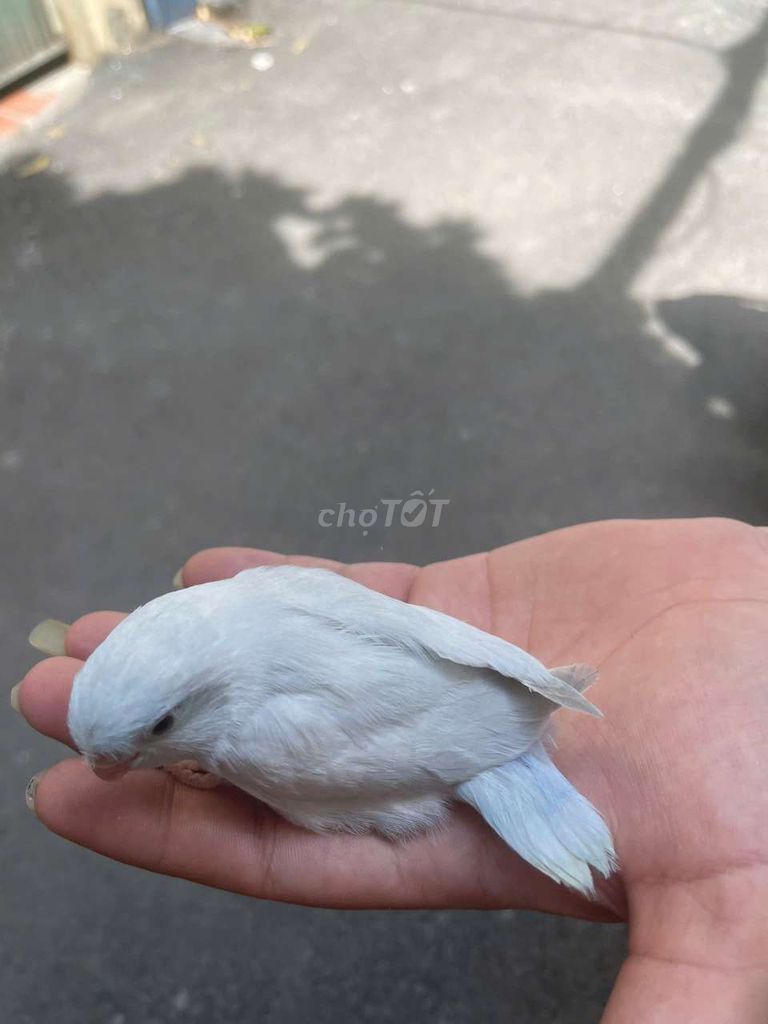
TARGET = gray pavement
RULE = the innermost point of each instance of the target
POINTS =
(512, 255)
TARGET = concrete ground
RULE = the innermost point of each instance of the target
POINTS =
(513, 253)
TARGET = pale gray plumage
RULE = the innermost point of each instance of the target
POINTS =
(343, 709)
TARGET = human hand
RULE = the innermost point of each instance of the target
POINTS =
(675, 616)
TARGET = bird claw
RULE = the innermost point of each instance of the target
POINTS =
(189, 773)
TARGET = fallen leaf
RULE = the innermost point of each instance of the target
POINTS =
(34, 166)
(249, 33)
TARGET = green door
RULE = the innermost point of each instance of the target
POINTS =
(28, 38)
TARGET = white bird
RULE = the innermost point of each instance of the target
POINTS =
(342, 709)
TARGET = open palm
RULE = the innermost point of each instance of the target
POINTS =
(675, 616)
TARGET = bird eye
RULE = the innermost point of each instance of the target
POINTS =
(163, 725)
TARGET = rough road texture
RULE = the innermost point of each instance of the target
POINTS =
(515, 257)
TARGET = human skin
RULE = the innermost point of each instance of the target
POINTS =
(674, 613)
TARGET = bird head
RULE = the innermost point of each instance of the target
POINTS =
(150, 694)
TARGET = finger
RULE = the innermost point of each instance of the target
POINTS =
(664, 991)
(393, 578)
(221, 563)
(43, 696)
(79, 640)
(85, 635)
(224, 838)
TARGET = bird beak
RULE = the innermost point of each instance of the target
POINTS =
(108, 768)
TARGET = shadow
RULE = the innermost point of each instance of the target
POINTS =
(216, 360)
(730, 337)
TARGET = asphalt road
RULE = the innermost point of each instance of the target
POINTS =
(514, 258)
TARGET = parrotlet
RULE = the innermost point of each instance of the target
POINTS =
(343, 709)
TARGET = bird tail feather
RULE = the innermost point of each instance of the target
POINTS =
(537, 812)
(580, 677)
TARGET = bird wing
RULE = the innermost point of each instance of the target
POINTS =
(355, 608)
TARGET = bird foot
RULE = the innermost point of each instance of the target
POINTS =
(191, 774)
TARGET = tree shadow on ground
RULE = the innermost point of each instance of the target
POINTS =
(215, 337)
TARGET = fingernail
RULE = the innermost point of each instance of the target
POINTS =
(15, 696)
(48, 636)
(29, 793)
(178, 580)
